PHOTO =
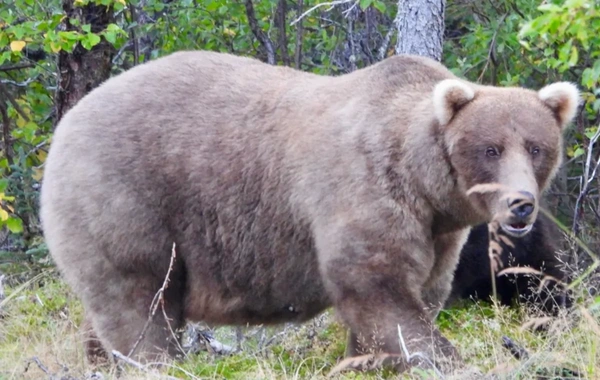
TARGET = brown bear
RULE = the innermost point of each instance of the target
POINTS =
(539, 250)
(287, 192)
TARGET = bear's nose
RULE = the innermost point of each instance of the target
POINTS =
(523, 205)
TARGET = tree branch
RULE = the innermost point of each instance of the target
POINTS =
(281, 25)
(492, 53)
(134, 38)
(299, 31)
(385, 44)
(6, 133)
(586, 179)
(6, 94)
(331, 4)
(259, 34)
(16, 67)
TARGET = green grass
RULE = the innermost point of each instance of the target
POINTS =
(41, 319)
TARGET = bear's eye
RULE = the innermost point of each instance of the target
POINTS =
(535, 150)
(491, 152)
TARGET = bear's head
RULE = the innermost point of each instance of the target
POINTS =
(505, 144)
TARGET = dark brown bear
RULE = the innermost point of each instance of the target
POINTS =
(539, 250)
(287, 192)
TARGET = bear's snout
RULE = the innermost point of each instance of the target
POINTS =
(521, 213)
(523, 205)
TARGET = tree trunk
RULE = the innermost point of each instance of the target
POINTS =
(420, 25)
(83, 70)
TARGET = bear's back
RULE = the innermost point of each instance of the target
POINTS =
(207, 150)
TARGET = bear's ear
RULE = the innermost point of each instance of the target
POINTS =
(563, 99)
(449, 96)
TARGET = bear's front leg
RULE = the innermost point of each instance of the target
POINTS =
(447, 248)
(375, 275)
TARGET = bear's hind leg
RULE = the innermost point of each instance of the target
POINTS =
(94, 351)
(121, 316)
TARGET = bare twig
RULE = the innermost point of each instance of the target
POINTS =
(409, 357)
(8, 151)
(19, 84)
(156, 301)
(331, 4)
(281, 25)
(125, 46)
(595, 257)
(4, 92)
(492, 50)
(117, 355)
(2, 296)
(264, 40)
(588, 177)
(385, 45)
(350, 36)
(134, 38)
(299, 31)
(517, 351)
(350, 9)
(40, 365)
(36, 148)
(17, 66)
(214, 345)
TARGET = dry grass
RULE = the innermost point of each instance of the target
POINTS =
(39, 337)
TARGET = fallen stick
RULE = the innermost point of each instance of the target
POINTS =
(119, 356)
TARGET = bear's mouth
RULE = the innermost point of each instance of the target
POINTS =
(517, 229)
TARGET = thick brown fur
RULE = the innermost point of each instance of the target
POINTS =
(539, 250)
(285, 193)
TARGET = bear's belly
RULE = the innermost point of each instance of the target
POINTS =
(248, 257)
(262, 276)
(282, 298)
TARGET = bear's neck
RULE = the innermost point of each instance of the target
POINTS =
(425, 156)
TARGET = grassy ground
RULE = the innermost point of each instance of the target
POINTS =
(39, 339)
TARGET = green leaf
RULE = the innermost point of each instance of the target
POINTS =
(525, 44)
(15, 225)
(90, 41)
(113, 28)
(111, 37)
(380, 6)
(574, 56)
(71, 36)
(587, 78)
(29, 131)
(590, 132)
(549, 8)
(364, 4)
